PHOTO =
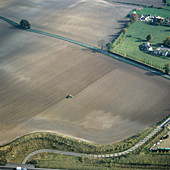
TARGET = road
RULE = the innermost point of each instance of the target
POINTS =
(88, 46)
(100, 155)
(13, 167)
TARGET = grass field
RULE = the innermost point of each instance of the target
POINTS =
(130, 44)
(155, 12)
(155, 3)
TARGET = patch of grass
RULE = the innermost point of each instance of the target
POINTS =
(136, 35)
(154, 11)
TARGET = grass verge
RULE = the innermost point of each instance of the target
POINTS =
(16, 151)
(142, 158)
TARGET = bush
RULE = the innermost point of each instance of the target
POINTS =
(3, 161)
(149, 37)
(134, 17)
(128, 24)
(167, 68)
(167, 42)
(25, 24)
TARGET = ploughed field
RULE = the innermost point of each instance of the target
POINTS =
(83, 20)
(112, 100)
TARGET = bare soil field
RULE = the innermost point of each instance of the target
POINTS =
(155, 3)
(112, 100)
(82, 20)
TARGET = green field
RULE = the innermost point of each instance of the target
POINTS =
(155, 11)
(136, 35)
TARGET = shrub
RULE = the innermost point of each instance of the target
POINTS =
(25, 24)
(167, 42)
(134, 17)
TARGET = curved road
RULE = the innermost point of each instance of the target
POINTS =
(98, 156)
(88, 46)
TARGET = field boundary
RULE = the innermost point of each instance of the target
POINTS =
(99, 155)
(113, 55)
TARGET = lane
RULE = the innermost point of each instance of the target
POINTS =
(100, 155)
(88, 46)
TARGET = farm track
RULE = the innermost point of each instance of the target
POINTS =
(99, 155)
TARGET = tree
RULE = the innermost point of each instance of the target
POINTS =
(124, 30)
(134, 17)
(101, 44)
(3, 161)
(167, 42)
(149, 37)
(109, 46)
(25, 24)
(167, 68)
(128, 24)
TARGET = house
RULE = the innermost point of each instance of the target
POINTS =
(148, 46)
(157, 52)
(164, 53)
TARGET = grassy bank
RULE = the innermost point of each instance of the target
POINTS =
(17, 150)
(142, 159)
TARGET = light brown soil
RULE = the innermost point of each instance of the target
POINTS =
(112, 100)
(83, 20)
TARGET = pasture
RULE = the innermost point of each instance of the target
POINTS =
(112, 100)
(134, 38)
(155, 3)
(154, 11)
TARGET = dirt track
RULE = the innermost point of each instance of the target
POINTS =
(112, 100)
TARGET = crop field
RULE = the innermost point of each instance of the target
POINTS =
(112, 100)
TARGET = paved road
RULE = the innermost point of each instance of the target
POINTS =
(100, 155)
(29, 167)
(90, 47)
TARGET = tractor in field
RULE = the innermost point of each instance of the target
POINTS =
(69, 96)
